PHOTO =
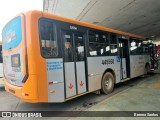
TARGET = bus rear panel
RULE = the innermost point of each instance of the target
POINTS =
(14, 55)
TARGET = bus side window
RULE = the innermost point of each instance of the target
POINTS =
(133, 47)
(105, 48)
(113, 44)
(48, 39)
(68, 50)
(146, 51)
(79, 47)
(140, 47)
(93, 39)
(145, 48)
(98, 43)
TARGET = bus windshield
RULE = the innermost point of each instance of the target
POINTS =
(12, 34)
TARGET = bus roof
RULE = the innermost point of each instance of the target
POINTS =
(56, 17)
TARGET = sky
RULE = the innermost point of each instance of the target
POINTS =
(10, 8)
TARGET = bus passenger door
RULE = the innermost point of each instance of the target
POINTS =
(124, 55)
(74, 63)
(80, 63)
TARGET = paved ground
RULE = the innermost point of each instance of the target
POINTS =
(145, 96)
(137, 94)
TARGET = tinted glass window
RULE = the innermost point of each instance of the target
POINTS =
(140, 50)
(79, 44)
(48, 39)
(68, 47)
(98, 43)
(137, 47)
(93, 38)
(145, 48)
(113, 44)
(134, 47)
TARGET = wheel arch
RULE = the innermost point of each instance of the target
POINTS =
(148, 64)
(147, 68)
(111, 71)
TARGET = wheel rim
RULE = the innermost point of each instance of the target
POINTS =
(108, 83)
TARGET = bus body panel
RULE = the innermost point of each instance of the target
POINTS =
(55, 80)
(14, 90)
(70, 79)
(124, 69)
(36, 62)
(96, 70)
(35, 88)
(137, 64)
(14, 75)
(25, 93)
(81, 77)
(14, 54)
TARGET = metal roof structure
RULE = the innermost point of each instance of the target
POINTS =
(140, 17)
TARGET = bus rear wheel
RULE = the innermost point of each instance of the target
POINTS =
(107, 83)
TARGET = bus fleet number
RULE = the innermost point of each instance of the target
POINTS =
(109, 61)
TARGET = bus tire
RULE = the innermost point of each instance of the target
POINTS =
(107, 83)
(147, 69)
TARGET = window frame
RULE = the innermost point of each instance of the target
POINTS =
(100, 33)
(72, 44)
(144, 47)
(54, 33)
(78, 59)
(117, 44)
(131, 51)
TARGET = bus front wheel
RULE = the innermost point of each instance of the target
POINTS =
(107, 83)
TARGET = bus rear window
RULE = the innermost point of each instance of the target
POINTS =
(12, 34)
(48, 39)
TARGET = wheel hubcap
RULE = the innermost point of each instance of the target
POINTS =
(108, 83)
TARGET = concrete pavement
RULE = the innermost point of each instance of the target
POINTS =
(145, 96)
